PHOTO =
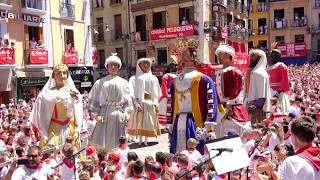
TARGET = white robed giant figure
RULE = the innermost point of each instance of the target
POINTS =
(146, 93)
(58, 112)
(110, 100)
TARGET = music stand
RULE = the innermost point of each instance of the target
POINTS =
(228, 161)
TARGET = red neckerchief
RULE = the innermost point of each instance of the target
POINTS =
(190, 150)
(164, 166)
(310, 154)
(46, 160)
(223, 176)
(152, 176)
(122, 146)
(118, 167)
(38, 167)
(68, 162)
(197, 175)
(137, 177)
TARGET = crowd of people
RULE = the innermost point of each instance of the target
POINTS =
(274, 143)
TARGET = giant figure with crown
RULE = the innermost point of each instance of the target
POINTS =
(192, 99)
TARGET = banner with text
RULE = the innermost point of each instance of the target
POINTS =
(71, 57)
(7, 56)
(38, 56)
(172, 32)
(293, 49)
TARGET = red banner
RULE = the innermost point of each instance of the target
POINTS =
(70, 57)
(293, 49)
(38, 56)
(172, 32)
(7, 56)
(241, 61)
(94, 57)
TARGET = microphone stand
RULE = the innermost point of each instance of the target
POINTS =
(199, 167)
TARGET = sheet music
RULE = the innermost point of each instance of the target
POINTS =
(229, 161)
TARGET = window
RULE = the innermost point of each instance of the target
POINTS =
(299, 38)
(250, 45)
(186, 15)
(316, 3)
(141, 27)
(278, 13)
(115, 1)
(101, 58)
(35, 4)
(33, 35)
(229, 18)
(262, 44)
(262, 25)
(280, 39)
(118, 26)
(3, 29)
(162, 56)
(99, 30)
(119, 52)
(97, 3)
(141, 54)
(159, 20)
(279, 20)
(299, 20)
(68, 39)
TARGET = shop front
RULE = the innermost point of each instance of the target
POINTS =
(30, 87)
(82, 78)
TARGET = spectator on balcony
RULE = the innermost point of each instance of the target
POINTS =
(12, 45)
(40, 45)
(6, 43)
(263, 6)
(1, 42)
(259, 7)
(284, 23)
(261, 30)
(33, 43)
(69, 45)
(304, 20)
(184, 21)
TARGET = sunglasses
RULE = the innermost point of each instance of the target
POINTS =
(32, 156)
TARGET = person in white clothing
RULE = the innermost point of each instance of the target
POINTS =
(123, 150)
(69, 169)
(145, 97)
(193, 155)
(33, 169)
(306, 163)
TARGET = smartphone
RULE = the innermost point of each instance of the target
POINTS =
(258, 158)
(22, 161)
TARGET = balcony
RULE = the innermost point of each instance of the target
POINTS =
(299, 22)
(34, 7)
(261, 31)
(244, 9)
(67, 11)
(279, 24)
(5, 4)
(237, 32)
(230, 3)
(315, 28)
(262, 7)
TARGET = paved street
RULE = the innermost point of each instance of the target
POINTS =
(155, 144)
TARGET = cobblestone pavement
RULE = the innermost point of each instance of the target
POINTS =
(160, 143)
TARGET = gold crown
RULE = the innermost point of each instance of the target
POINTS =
(61, 67)
(183, 44)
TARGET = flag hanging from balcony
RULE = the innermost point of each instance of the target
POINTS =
(38, 56)
(71, 57)
(7, 56)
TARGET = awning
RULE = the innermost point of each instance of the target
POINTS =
(5, 79)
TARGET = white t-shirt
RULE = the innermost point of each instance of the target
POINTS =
(273, 141)
(23, 173)
(123, 154)
(193, 157)
(297, 168)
